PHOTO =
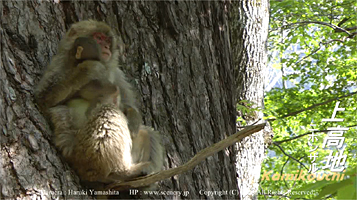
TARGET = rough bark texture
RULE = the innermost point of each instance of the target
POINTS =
(249, 23)
(29, 164)
(178, 56)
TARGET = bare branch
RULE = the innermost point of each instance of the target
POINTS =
(316, 50)
(318, 104)
(352, 34)
(307, 133)
(312, 53)
(282, 150)
(249, 125)
(199, 157)
(350, 29)
(344, 20)
(299, 136)
(336, 28)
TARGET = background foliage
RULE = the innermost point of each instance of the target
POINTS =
(312, 46)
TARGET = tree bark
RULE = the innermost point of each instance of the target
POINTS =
(249, 24)
(178, 55)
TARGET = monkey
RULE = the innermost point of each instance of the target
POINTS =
(87, 99)
(64, 76)
(148, 138)
(86, 48)
(96, 123)
(100, 154)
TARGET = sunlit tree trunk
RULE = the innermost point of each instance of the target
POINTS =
(250, 20)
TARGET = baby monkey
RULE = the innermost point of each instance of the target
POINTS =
(86, 48)
(96, 48)
(96, 122)
(95, 92)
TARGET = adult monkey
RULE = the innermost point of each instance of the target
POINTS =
(96, 123)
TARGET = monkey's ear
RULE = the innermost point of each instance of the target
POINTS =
(79, 52)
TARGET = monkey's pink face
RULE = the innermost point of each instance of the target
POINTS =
(105, 43)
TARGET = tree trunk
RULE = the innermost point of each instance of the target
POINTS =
(179, 56)
(249, 24)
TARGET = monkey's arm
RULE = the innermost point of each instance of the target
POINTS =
(57, 87)
(128, 104)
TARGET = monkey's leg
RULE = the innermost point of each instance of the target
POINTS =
(141, 146)
(104, 145)
(134, 119)
(135, 171)
(65, 138)
(103, 150)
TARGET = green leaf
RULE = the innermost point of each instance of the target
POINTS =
(348, 192)
(333, 188)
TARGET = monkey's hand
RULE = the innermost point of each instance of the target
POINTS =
(86, 72)
(127, 101)
(111, 97)
(76, 79)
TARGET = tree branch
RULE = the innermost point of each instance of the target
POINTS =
(350, 29)
(317, 49)
(199, 157)
(344, 20)
(282, 150)
(308, 133)
(336, 28)
(316, 105)
(299, 136)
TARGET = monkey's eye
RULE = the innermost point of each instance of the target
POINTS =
(101, 38)
(97, 37)
(109, 40)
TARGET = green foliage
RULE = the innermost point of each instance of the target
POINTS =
(247, 109)
(345, 189)
(314, 44)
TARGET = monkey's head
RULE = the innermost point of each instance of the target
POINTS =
(100, 32)
(86, 48)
